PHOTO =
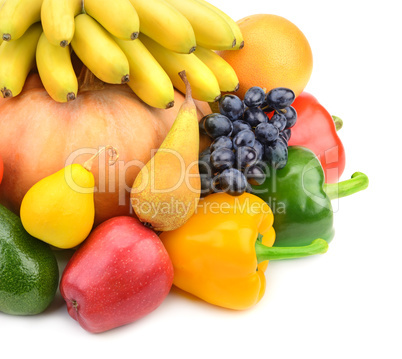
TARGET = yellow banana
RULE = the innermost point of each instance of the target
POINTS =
(210, 29)
(148, 80)
(57, 17)
(166, 25)
(119, 17)
(16, 16)
(99, 52)
(235, 28)
(224, 73)
(1, 5)
(204, 84)
(56, 70)
(17, 58)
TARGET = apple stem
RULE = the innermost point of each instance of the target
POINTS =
(114, 157)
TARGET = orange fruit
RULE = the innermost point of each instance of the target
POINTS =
(275, 54)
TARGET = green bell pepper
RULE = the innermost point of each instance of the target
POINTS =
(301, 201)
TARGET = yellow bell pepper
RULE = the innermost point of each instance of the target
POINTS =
(220, 254)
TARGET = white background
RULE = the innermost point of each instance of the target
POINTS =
(344, 304)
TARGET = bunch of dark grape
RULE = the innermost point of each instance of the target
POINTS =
(247, 136)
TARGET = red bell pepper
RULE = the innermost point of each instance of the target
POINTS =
(316, 129)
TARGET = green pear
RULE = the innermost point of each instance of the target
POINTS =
(166, 191)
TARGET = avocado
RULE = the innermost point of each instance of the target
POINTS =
(29, 273)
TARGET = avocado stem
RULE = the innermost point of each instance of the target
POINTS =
(114, 157)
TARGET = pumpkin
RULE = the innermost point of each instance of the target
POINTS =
(40, 136)
(1, 169)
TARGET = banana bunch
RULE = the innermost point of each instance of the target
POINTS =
(141, 43)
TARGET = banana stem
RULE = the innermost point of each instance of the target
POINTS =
(114, 157)
(358, 182)
(87, 81)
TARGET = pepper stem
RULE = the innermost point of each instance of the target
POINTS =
(358, 182)
(264, 253)
(338, 122)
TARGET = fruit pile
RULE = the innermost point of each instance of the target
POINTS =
(170, 36)
(245, 139)
(212, 197)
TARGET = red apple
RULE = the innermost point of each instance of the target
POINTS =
(119, 274)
